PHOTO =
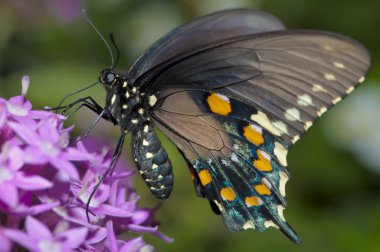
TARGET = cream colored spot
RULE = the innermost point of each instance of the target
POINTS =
(154, 166)
(160, 176)
(283, 179)
(153, 188)
(280, 152)
(266, 182)
(321, 111)
(146, 128)
(270, 223)
(336, 100)
(295, 138)
(281, 126)
(280, 211)
(141, 111)
(113, 99)
(308, 124)
(361, 79)
(125, 106)
(292, 114)
(152, 100)
(134, 90)
(304, 100)
(134, 121)
(328, 48)
(220, 207)
(162, 187)
(349, 90)
(330, 77)
(264, 122)
(127, 94)
(339, 65)
(249, 224)
(149, 155)
(145, 142)
(318, 88)
(125, 84)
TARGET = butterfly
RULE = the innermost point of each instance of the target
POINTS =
(234, 91)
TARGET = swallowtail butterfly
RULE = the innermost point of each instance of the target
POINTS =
(234, 91)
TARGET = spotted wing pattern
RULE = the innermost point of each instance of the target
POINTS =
(235, 108)
(239, 165)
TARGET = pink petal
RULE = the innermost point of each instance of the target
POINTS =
(25, 133)
(111, 242)
(65, 166)
(32, 183)
(9, 194)
(97, 237)
(37, 229)
(16, 158)
(32, 155)
(114, 211)
(74, 237)
(5, 243)
(77, 155)
(37, 209)
(48, 132)
(133, 245)
(25, 84)
(22, 239)
(18, 106)
(152, 230)
(42, 114)
(3, 116)
(140, 216)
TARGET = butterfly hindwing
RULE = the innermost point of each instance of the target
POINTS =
(237, 162)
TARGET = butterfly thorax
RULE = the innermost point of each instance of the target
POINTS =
(123, 101)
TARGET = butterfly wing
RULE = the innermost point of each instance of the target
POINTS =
(234, 109)
(207, 29)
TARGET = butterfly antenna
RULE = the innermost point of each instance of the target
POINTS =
(100, 35)
(112, 38)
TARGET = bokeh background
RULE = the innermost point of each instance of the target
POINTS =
(334, 192)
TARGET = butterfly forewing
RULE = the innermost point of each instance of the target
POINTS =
(205, 30)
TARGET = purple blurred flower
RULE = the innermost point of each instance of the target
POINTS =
(45, 185)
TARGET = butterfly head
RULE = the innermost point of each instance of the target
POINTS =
(108, 77)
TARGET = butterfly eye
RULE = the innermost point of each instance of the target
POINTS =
(107, 77)
(110, 78)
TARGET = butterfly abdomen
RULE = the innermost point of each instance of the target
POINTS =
(152, 161)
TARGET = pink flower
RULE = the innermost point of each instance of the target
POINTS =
(45, 186)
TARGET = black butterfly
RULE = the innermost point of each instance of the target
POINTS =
(234, 91)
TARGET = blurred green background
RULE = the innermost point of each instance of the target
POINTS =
(334, 192)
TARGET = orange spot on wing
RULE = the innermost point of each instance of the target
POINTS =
(219, 104)
(253, 201)
(205, 177)
(262, 163)
(263, 188)
(253, 134)
(228, 194)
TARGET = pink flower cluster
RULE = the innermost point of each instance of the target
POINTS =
(45, 185)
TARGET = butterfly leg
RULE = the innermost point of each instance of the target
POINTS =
(110, 168)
